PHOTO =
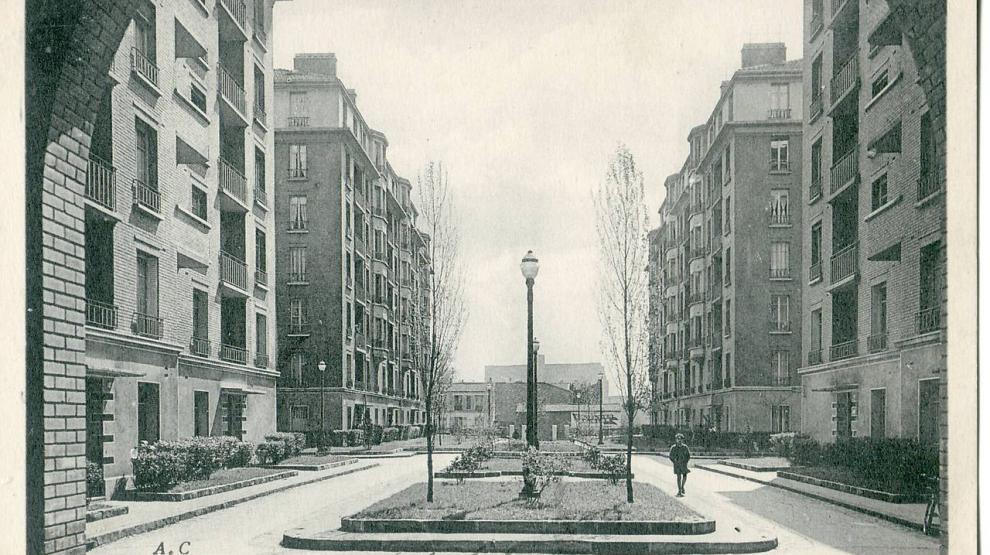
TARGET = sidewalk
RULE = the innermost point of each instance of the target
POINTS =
(906, 514)
(143, 516)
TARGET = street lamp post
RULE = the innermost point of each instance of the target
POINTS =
(536, 397)
(323, 385)
(530, 266)
(578, 395)
(600, 397)
(491, 419)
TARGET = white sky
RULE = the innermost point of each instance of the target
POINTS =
(524, 102)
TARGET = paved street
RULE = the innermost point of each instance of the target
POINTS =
(802, 525)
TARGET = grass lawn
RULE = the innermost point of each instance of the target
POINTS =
(577, 500)
(845, 476)
(225, 476)
(314, 459)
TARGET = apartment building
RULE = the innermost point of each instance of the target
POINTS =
(180, 315)
(725, 286)
(874, 209)
(353, 279)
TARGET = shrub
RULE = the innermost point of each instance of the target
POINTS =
(161, 465)
(94, 478)
(353, 437)
(157, 469)
(782, 444)
(414, 432)
(879, 460)
(613, 466)
(390, 434)
(280, 446)
(805, 451)
(592, 456)
(542, 469)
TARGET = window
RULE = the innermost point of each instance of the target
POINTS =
(298, 104)
(145, 41)
(348, 322)
(728, 214)
(780, 313)
(260, 251)
(817, 9)
(147, 285)
(816, 170)
(261, 340)
(233, 406)
(299, 417)
(879, 192)
(199, 202)
(727, 164)
(779, 208)
(296, 365)
(778, 155)
(201, 322)
(878, 317)
(780, 367)
(780, 267)
(928, 183)
(816, 331)
(880, 82)
(297, 161)
(728, 372)
(844, 413)
(817, 86)
(780, 101)
(260, 193)
(259, 83)
(146, 163)
(780, 416)
(201, 413)
(297, 213)
(878, 412)
(148, 412)
(728, 265)
(297, 264)
(928, 407)
(197, 96)
(297, 313)
(816, 250)
(930, 288)
(728, 318)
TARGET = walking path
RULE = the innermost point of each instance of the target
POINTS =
(905, 514)
(143, 516)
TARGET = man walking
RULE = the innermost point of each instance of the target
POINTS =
(679, 456)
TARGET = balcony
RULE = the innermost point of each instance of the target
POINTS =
(780, 326)
(146, 196)
(298, 121)
(101, 183)
(877, 342)
(101, 315)
(200, 346)
(296, 277)
(844, 264)
(846, 349)
(817, 23)
(297, 172)
(814, 357)
(779, 217)
(815, 272)
(233, 353)
(845, 170)
(233, 271)
(231, 91)
(148, 326)
(779, 113)
(237, 11)
(780, 273)
(260, 196)
(928, 320)
(233, 183)
(844, 81)
(261, 359)
(143, 66)
(261, 278)
(298, 328)
(928, 185)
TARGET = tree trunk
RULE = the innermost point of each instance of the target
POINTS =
(429, 451)
(630, 410)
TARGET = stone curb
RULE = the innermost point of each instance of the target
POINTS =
(754, 468)
(106, 512)
(203, 492)
(314, 467)
(601, 527)
(108, 537)
(534, 544)
(855, 490)
(390, 455)
(499, 473)
(877, 514)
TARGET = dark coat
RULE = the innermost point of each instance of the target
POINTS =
(680, 455)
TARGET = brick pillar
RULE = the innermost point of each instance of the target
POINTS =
(69, 48)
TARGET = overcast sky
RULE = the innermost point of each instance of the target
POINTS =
(524, 102)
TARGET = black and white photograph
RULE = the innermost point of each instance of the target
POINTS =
(544, 276)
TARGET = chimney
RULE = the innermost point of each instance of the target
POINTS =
(763, 53)
(321, 64)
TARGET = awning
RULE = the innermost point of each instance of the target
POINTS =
(188, 154)
(887, 33)
(837, 388)
(240, 390)
(191, 261)
(111, 373)
(888, 142)
(186, 45)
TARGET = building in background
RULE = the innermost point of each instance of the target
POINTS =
(472, 404)
(575, 376)
(352, 267)
(180, 311)
(874, 209)
(724, 262)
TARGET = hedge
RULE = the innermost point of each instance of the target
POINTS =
(706, 439)
(159, 466)
(280, 446)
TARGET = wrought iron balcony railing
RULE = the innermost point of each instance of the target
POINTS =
(101, 183)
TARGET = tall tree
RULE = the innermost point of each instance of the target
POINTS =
(445, 310)
(623, 304)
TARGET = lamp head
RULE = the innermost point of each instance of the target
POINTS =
(530, 266)
(322, 366)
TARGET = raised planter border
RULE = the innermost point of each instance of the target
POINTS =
(754, 468)
(879, 495)
(133, 495)
(313, 467)
(604, 527)
(106, 512)
(499, 473)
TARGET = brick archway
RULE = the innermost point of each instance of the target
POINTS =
(69, 47)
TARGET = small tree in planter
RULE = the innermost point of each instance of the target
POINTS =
(542, 469)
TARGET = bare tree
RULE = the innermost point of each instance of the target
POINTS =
(445, 311)
(623, 303)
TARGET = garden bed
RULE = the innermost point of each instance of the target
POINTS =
(99, 510)
(564, 508)
(314, 462)
(849, 481)
(759, 464)
(221, 481)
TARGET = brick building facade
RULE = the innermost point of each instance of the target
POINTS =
(353, 274)
(724, 261)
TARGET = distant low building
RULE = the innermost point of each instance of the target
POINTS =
(577, 376)
(564, 420)
(472, 404)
